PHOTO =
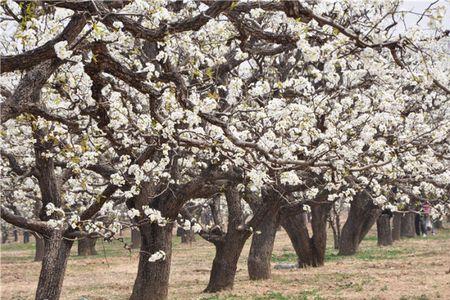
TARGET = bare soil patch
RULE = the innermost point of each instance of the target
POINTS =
(415, 268)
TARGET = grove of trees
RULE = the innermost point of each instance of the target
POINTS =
(142, 114)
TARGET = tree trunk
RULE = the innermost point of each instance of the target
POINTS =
(16, 235)
(319, 214)
(187, 236)
(229, 245)
(384, 232)
(260, 255)
(396, 225)
(225, 262)
(40, 247)
(335, 224)
(407, 228)
(26, 237)
(361, 217)
(4, 236)
(297, 231)
(215, 212)
(86, 246)
(152, 280)
(310, 251)
(417, 224)
(56, 253)
(438, 224)
(206, 217)
(229, 248)
(135, 239)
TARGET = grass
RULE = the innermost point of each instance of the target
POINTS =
(373, 273)
(104, 249)
(370, 238)
(18, 247)
(370, 253)
(272, 295)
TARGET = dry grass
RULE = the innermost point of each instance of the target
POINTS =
(411, 269)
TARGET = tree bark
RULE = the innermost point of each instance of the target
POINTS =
(438, 224)
(260, 255)
(407, 228)
(187, 236)
(56, 253)
(40, 247)
(310, 250)
(225, 262)
(152, 280)
(216, 213)
(4, 235)
(135, 239)
(229, 248)
(384, 232)
(26, 237)
(319, 214)
(361, 217)
(335, 224)
(396, 226)
(86, 246)
(297, 231)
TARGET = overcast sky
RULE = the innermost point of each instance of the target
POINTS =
(419, 6)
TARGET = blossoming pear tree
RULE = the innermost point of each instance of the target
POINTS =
(154, 103)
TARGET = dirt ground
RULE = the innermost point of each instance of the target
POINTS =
(417, 268)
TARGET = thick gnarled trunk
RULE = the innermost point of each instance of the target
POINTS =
(384, 232)
(215, 212)
(260, 255)
(319, 214)
(187, 236)
(229, 246)
(335, 224)
(86, 246)
(54, 262)
(26, 237)
(396, 225)
(361, 217)
(152, 280)
(225, 262)
(407, 228)
(310, 250)
(40, 247)
(135, 239)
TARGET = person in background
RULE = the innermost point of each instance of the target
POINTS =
(426, 209)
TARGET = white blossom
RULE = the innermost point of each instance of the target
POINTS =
(157, 256)
(62, 52)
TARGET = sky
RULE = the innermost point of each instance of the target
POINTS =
(419, 6)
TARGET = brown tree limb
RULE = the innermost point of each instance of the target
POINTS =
(37, 226)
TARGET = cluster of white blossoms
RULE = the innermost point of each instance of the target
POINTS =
(51, 209)
(133, 213)
(95, 227)
(62, 51)
(157, 256)
(154, 215)
(290, 177)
